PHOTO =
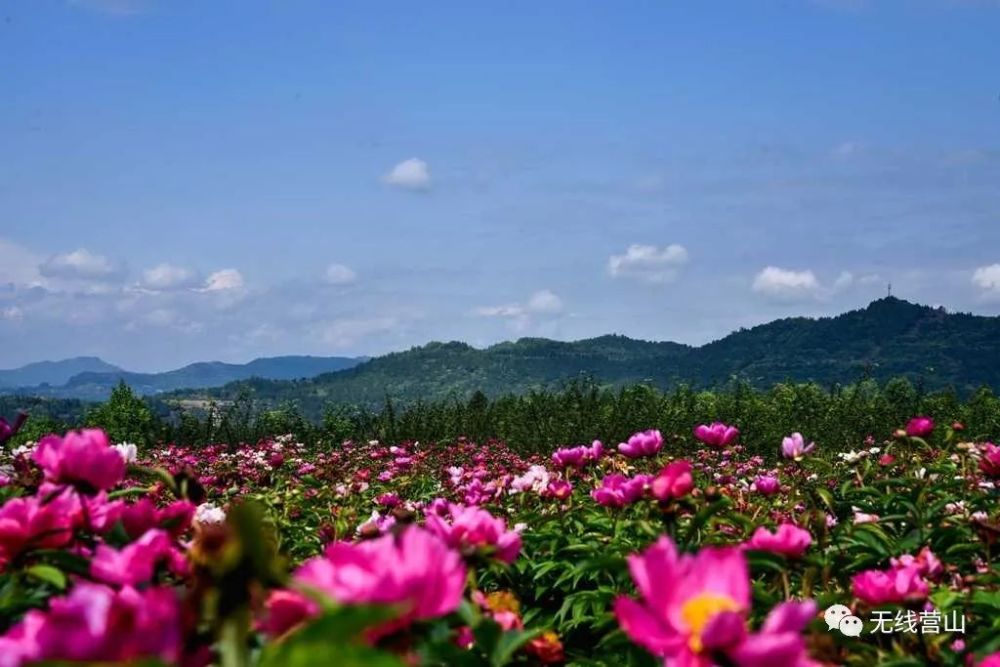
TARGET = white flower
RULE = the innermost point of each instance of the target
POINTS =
(24, 450)
(874, 450)
(536, 479)
(128, 451)
(852, 456)
(207, 513)
(957, 507)
(980, 516)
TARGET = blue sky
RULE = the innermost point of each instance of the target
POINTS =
(187, 180)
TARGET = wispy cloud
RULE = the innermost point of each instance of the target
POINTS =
(649, 263)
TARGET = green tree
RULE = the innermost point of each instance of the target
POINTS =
(126, 418)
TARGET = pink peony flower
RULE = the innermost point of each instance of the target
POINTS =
(95, 623)
(474, 530)
(559, 489)
(136, 563)
(788, 540)
(992, 660)
(415, 571)
(284, 611)
(644, 443)
(618, 490)
(579, 456)
(717, 434)
(672, 482)
(795, 447)
(389, 500)
(926, 562)
(767, 485)
(897, 584)
(8, 430)
(989, 462)
(143, 515)
(692, 611)
(919, 427)
(29, 523)
(84, 459)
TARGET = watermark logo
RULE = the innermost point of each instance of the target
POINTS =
(839, 617)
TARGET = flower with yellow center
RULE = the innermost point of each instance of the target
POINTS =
(701, 609)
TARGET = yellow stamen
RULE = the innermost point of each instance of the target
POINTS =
(699, 610)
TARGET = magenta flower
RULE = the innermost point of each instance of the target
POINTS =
(919, 427)
(83, 459)
(672, 482)
(788, 540)
(285, 610)
(794, 447)
(579, 456)
(618, 490)
(389, 500)
(136, 563)
(559, 489)
(692, 611)
(143, 515)
(717, 434)
(644, 443)
(95, 623)
(8, 430)
(897, 584)
(926, 562)
(29, 523)
(767, 485)
(415, 571)
(992, 660)
(473, 530)
(989, 461)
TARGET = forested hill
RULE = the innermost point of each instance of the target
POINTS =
(889, 338)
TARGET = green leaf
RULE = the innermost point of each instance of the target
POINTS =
(333, 639)
(509, 643)
(48, 574)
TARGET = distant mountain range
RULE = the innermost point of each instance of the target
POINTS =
(890, 338)
(90, 378)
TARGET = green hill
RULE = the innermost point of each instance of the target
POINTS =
(889, 338)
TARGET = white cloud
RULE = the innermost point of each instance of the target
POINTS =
(339, 274)
(78, 265)
(987, 278)
(226, 279)
(543, 305)
(649, 263)
(544, 301)
(167, 276)
(412, 174)
(785, 283)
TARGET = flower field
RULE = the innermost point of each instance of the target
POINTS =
(669, 548)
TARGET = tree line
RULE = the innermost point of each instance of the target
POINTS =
(838, 418)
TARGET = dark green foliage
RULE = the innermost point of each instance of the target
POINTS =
(126, 418)
(890, 338)
(838, 418)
